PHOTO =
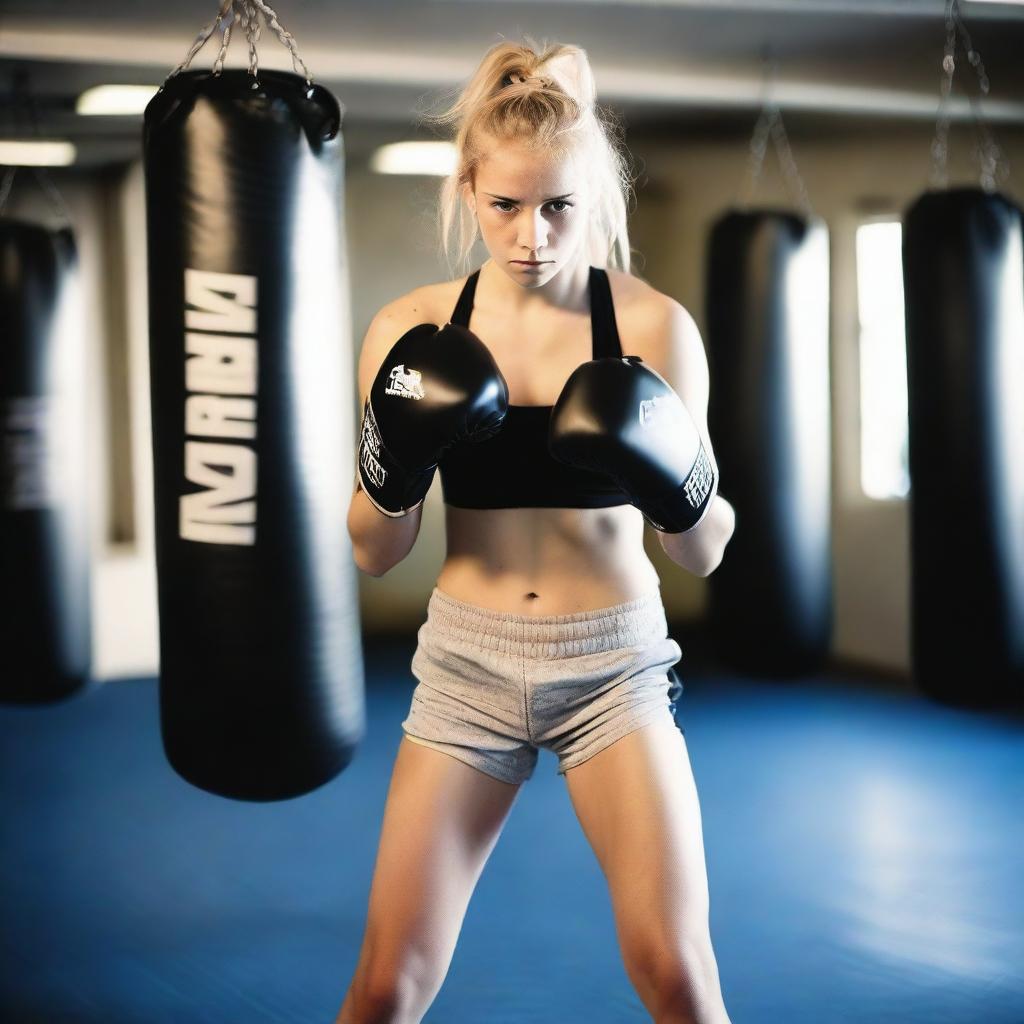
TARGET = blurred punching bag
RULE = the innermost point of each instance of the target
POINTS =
(770, 600)
(964, 293)
(261, 687)
(45, 612)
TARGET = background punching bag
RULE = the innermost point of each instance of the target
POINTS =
(261, 686)
(45, 609)
(770, 601)
(964, 289)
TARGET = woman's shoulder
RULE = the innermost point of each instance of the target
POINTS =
(432, 303)
(637, 300)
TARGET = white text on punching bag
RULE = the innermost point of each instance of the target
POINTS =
(220, 368)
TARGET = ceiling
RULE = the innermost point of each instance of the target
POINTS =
(695, 65)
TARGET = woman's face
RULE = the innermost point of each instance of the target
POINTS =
(531, 206)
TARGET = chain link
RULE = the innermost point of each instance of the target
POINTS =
(5, 186)
(204, 35)
(286, 37)
(769, 125)
(52, 193)
(993, 167)
(225, 39)
(23, 106)
(247, 14)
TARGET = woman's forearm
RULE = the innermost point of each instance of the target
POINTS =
(700, 550)
(379, 542)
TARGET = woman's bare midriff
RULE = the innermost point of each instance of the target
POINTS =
(546, 561)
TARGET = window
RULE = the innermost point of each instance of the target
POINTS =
(884, 463)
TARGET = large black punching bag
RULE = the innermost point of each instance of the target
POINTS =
(261, 687)
(45, 607)
(770, 601)
(964, 298)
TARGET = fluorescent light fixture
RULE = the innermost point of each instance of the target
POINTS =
(36, 153)
(115, 99)
(437, 158)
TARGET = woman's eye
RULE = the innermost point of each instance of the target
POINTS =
(506, 207)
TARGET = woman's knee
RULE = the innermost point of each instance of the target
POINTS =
(680, 986)
(389, 996)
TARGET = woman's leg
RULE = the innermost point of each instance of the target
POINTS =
(637, 803)
(441, 821)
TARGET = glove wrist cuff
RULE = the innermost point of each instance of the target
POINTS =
(684, 508)
(391, 488)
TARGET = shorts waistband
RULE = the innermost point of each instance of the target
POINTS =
(550, 636)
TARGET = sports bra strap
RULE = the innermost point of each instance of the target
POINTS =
(465, 304)
(602, 316)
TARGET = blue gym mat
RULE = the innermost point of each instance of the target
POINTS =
(864, 851)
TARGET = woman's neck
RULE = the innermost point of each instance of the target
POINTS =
(567, 291)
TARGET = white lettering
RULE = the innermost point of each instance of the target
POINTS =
(218, 368)
(32, 457)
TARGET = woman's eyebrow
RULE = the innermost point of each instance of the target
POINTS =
(506, 199)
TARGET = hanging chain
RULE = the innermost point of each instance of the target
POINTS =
(227, 25)
(5, 186)
(992, 163)
(788, 164)
(251, 24)
(248, 14)
(270, 16)
(769, 125)
(23, 105)
(204, 35)
(53, 194)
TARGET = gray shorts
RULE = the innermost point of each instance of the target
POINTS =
(495, 686)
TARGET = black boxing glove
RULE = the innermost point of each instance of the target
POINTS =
(621, 418)
(435, 387)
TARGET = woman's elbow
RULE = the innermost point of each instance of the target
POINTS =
(365, 562)
(708, 567)
(370, 570)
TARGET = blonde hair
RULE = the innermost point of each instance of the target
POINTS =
(543, 96)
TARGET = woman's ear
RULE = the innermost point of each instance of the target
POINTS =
(469, 198)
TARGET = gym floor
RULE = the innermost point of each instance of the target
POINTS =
(863, 847)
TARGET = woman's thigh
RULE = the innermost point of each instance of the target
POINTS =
(442, 818)
(638, 805)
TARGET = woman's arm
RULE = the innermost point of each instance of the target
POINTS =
(700, 550)
(380, 542)
(674, 349)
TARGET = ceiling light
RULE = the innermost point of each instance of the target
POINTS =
(115, 99)
(436, 158)
(36, 153)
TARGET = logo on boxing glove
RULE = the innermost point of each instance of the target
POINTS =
(658, 411)
(405, 383)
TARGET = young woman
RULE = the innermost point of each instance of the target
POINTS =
(546, 627)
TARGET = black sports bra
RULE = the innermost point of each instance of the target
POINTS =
(513, 468)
